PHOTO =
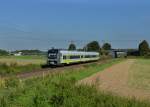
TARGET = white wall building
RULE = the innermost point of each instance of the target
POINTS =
(18, 54)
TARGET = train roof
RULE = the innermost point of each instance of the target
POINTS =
(73, 52)
(78, 52)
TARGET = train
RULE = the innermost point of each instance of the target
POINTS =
(64, 57)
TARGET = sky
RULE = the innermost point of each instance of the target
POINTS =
(42, 24)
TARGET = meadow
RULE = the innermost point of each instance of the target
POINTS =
(140, 74)
(62, 90)
(17, 64)
(23, 60)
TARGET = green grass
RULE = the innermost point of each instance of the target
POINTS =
(61, 90)
(140, 74)
(91, 69)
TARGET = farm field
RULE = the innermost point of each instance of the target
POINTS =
(63, 90)
(139, 74)
(129, 78)
(23, 60)
(17, 64)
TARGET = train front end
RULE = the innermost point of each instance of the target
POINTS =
(53, 57)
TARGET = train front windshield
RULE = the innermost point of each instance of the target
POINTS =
(52, 54)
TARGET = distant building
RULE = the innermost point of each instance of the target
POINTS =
(18, 54)
(115, 53)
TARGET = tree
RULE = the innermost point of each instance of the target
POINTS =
(3, 52)
(72, 47)
(106, 46)
(144, 48)
(93, 46)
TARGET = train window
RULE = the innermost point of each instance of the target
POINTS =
(52, 56)
(94, 56)
(74, 57)
(82, 56)
(64, 57)
(87, 56)
(90, 56)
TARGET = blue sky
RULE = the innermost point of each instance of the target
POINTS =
(42, 24)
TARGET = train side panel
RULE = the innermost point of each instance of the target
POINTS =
(68, 57)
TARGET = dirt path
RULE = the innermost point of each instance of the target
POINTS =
(115, 80)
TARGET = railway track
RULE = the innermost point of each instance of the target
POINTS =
(47, 71)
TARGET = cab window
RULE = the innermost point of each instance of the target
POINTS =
(64, 57)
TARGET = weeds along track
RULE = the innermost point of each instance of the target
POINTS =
(47, 71)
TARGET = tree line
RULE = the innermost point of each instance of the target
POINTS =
(92, 46)
(143, 50)
(24, 52)
(3, 52)
(30, 52)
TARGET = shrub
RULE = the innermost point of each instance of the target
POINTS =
(12, 82)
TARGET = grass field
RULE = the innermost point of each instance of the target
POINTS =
(23, 60)
(61, 90)
(140, 74)
(130, 79)
(17, 64)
